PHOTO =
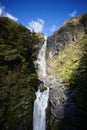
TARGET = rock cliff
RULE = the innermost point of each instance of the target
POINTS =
(67, 58)
(61, 106)
(69, 33)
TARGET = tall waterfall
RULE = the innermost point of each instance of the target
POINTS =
(41, 60)
(40, 104)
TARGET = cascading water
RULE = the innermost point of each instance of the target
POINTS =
(40, 104)
(41, 60)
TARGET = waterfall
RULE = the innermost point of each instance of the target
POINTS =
(40, 104)
(41, 60)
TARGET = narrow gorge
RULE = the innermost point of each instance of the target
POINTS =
(51, 99)
(41, 102)
(63, 53)
(43, 82)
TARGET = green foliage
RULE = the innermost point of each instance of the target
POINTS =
(17, 74)
(79, 82)
(71, 64)
(83, 20)
(71, 24)
(64, 64)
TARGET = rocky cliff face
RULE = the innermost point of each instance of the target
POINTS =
(61, 107)
(66, 108)
(70, 32)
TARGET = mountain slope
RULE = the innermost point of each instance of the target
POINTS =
(70, 32)
(70, 63)
(17, 75)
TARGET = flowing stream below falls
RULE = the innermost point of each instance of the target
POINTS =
(41, 102)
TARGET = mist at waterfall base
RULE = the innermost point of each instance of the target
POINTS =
(41, 102)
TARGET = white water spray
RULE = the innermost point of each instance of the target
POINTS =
(41, 60)
(40, 104)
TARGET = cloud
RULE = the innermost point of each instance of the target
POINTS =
(73, 14)
(1, 10)
(53, 28)
(37, 26)
(11, 16)
(6, 14)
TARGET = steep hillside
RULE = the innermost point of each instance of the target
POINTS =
(70, 32)
(17, 75)
(70, 63)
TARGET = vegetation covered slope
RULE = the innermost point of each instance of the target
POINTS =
(78, 80)
(67, 61)
(17, 75)
(71, 65)
(69, 33)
